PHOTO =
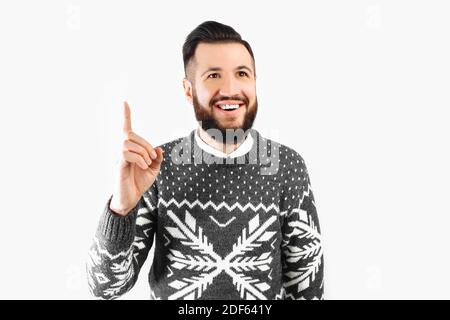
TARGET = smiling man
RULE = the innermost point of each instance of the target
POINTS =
(223, 95)
(231, 214)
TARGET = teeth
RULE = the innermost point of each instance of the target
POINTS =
(229, 106)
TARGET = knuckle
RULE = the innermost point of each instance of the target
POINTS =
(126, 143)
(129, 135)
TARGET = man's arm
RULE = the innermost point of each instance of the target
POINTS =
(302, 254)
(120, 247)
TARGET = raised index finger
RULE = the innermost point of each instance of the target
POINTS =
(126, 118)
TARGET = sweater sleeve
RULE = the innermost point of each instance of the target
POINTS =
(302, 254)
(120, 247)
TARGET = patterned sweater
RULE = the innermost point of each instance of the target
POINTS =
(242, 227)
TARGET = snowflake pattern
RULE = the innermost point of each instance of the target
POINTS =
(302, 251)
(209, 264)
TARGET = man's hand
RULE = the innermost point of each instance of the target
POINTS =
(138, 168)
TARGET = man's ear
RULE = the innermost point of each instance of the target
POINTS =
(187, 85)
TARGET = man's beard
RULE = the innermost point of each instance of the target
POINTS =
(208, 122)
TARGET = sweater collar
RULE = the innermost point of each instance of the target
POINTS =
(243, 148)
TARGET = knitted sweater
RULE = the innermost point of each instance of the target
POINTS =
(242, 227)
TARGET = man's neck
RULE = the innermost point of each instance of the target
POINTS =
(224, 147)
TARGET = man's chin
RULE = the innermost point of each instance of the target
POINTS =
(234, 133)
(230, 127)
(234, 126)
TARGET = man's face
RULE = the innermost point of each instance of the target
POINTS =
(221, 76)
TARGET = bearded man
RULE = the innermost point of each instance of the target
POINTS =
(231, 214)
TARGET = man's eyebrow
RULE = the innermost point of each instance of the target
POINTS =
(219, 69)
(211, 69)
(244, 67)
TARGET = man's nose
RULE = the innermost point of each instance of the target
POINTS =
(229, 87)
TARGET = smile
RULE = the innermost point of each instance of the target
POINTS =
(229, 106)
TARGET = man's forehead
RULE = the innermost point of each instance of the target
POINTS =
(222, 55)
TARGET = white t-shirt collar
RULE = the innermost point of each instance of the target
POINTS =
(243, 148)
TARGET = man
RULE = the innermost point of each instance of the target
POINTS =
(231, 213)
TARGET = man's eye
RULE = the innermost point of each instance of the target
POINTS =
(213, 75)
(243, 74)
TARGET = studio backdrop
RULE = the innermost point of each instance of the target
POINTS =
(360, 89)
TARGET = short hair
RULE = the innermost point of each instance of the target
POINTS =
(211, 32)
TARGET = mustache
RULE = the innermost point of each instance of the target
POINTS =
(243, 99)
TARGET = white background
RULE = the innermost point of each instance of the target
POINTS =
(359, 88)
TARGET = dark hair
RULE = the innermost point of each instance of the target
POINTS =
(211, 32)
